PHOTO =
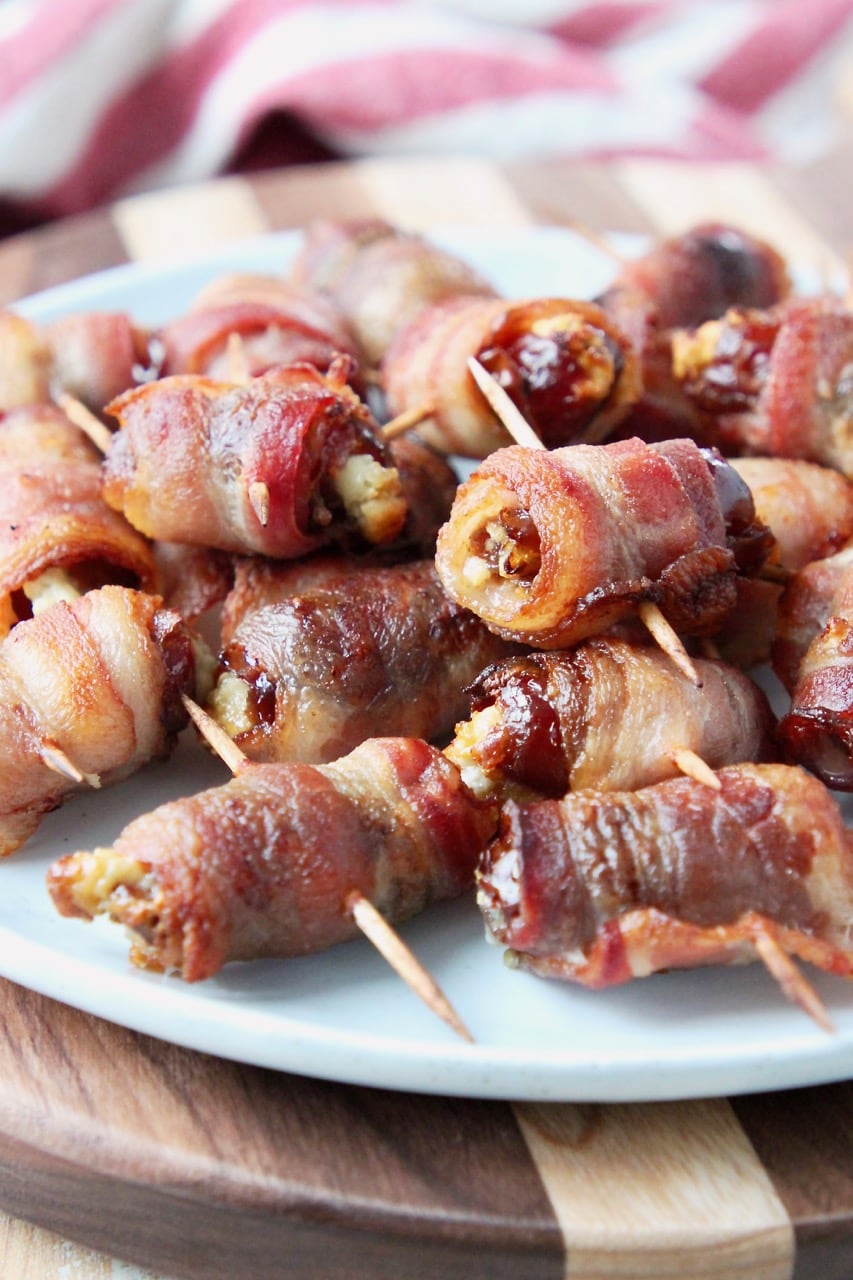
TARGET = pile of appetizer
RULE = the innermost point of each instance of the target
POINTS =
(535, 685)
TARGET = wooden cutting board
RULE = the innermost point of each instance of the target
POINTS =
(115, 1146)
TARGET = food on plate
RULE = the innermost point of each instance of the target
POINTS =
(609, 714)
(380, 276)
(563, 362)
(277, 465)
(774, 382)
(601, 887)
(277, 323)
(89, 692)
(552, 546)
(58, 537)
(265, 864)
(363, 652)
(815, 593)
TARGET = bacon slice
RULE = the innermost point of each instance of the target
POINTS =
(697, 275)
(24, 362)
(96, 355)
(54, 523)
(552, 546)
(566, 366)
(365, 652)
(92, 688)
(602, 887)
(380, 276)
(814, 594)
(777, 383)
(276, 466)
(263, 865)
(277, 323)
(610, 715)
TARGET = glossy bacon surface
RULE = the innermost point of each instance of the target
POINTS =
(817, 591)
(98, 680)
(52, 514)
(553, 546)
(609, 714)
(362, 653)
(602, 887)
(566, 366)
(253, 467)
(380, 276)
(264, 865)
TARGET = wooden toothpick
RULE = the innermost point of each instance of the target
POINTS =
(76, 411)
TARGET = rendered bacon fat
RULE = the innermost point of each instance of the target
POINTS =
(552, 546)
(610, 715)
(602, 887)
(380, 276)
(367, 651)
(264, 865)
(57, 535)
(93, 686)
(565, 365)
(276, 466)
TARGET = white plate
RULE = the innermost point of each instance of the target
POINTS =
(343, 1015)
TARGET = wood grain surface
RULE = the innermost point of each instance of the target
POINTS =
(126, 1158)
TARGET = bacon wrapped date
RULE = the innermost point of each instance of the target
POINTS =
(697, 275)
(24, 362)
(57, 535)
(276, 466)
(89, 692)
(564, 363)
(602, 887)
(380, 276)
(265, 865)
(815, 593)
(364, 651)
(775, 383)
(610, 715)
(549, 547)
(277, 324)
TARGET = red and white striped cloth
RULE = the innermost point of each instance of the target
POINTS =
(100, 98)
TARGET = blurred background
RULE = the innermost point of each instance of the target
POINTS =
(105, 98)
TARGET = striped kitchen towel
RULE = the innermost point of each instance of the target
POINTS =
(102, 98)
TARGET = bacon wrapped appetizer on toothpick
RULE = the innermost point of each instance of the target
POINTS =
(549, 547)
(565, 365)
(365, 651)
(58, 537)
(774, 383)
(90, 691)
(602, 887)
(609, 714)
(277, 465)
(277, 323)
(380, 276)
(269, 863)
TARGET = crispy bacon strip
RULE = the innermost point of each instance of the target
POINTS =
(777, 383)
(602, 887)
(609, 714)
(96, 355)
(55, 528)
(552, 546)
(814, 594)
(278, 324)
(565, 365)
(264, 865)
(24, 362)
(364, 652)
(92, 688)
(276, 466)
(380, 276)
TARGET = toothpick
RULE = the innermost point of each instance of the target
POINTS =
(374, 926)
(76, 411)
(403, 422)
(390, 945)
(596, 238)
(693, 766)
(668, 640)
(259, 500)
(238, 365)
(505, 409)
(52, 755)
(790, 979)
